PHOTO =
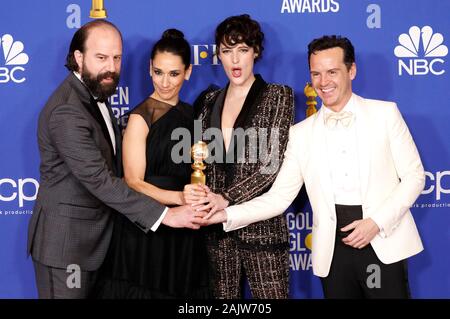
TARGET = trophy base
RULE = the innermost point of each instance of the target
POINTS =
(97, 14)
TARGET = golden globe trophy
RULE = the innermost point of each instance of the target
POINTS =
(311, 99)
(199, 152)
(98, 10)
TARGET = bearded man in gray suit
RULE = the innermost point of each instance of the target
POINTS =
(80, 170)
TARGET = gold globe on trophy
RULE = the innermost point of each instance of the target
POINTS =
(199, 152)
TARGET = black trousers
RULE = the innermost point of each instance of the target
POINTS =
(358, 273)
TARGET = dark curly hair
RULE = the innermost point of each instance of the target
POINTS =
(333, 41)
(173, 41)
(79, 40)
(240, 29)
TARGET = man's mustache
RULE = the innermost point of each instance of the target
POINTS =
(108, 74)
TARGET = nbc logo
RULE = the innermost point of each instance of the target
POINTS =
(201, 52)
(14, 57)
(420, 42)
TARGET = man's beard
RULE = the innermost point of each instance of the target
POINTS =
(99, 90)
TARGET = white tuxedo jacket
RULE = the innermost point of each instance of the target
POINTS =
(391, 173)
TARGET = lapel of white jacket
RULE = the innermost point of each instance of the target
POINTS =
(364, 129)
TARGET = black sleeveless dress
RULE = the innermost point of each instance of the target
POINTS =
(170, 262)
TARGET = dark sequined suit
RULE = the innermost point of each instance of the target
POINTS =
(261, 249)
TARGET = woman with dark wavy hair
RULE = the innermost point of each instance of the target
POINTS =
(252, 119)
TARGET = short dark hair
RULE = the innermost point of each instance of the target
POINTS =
(79, 41)
(173, 41)
(333, 41)
(240, 29)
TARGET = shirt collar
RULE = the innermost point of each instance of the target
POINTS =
(78, 75)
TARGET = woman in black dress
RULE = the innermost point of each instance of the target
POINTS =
(169, 262)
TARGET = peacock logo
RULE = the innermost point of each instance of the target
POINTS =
(410, 43)
(13, 51)
(14, 57)
(417, 47)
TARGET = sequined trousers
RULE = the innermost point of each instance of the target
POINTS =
(265, 264)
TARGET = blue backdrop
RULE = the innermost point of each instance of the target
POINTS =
(402, 56)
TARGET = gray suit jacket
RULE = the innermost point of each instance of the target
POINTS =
(80, 183)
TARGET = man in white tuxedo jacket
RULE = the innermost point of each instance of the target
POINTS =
(362, 173)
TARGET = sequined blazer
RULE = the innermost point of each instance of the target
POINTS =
(268, 110)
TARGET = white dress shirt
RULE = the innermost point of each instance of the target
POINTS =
(343, 158)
